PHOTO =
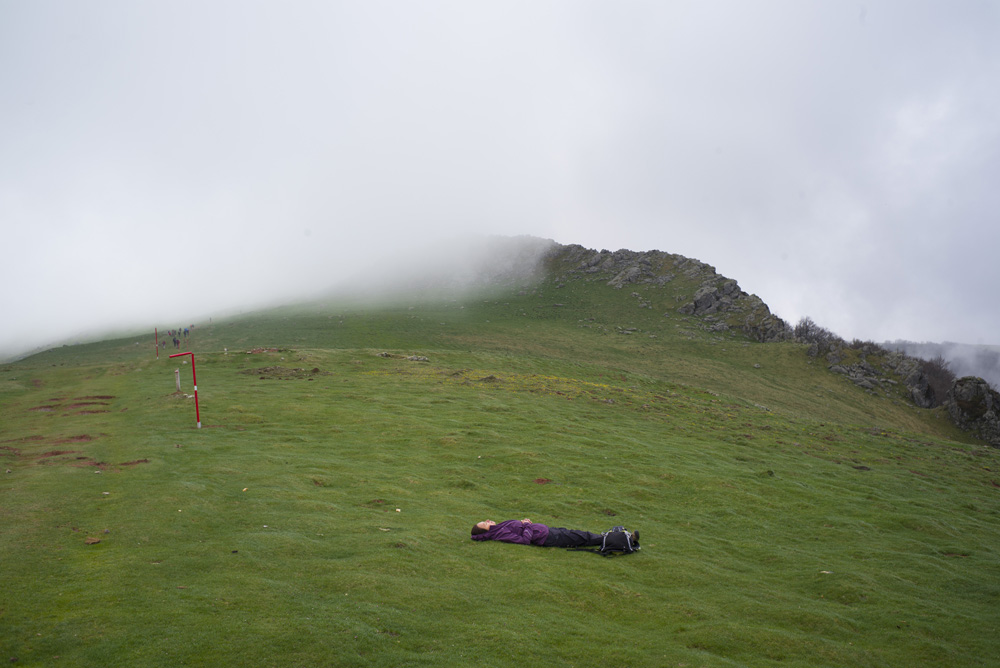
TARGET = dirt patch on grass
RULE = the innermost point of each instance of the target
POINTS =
(285, 373)
(86, 462)
(82, 438)
(79, 402)
(11, 451)
(25, 439)
(56, 453)
(43, 454)
(64, 449)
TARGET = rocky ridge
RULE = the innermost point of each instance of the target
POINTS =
(720, 304)
(874, 368)
(717, 300)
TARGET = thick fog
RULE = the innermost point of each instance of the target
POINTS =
(164, 162)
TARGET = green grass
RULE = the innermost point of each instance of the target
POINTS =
(788, 517)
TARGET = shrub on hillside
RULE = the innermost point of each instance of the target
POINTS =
(868, 347)
(808, 331)
(939, 376)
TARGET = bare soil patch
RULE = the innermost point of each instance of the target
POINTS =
(285, 373)
(56, 453)
(25, 439)
(134, 463)
(82, 438)
(79, 402)
(84, 462)
(59, 456)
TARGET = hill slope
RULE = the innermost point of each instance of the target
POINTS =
(321, 516)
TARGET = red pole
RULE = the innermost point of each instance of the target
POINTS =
(197, 413)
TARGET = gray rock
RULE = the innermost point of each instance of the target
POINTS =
(975, 407)
(629, 275)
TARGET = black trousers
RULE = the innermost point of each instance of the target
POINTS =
(572, 538)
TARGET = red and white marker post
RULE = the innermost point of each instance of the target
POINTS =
(194, 377)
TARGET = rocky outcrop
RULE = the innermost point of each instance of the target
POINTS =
(910, 370)
(762, 325)
(975, 407)
(861, 374)
(875, 368)
(718, 300)
(712, 298)
(624, 267)
(719, 304)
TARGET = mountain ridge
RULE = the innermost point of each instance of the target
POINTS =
(659, 291)
(722, 304)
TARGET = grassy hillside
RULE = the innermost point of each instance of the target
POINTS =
(321, 515)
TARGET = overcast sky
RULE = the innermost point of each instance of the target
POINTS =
(160, 162)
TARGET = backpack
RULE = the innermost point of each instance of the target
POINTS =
(618, 539)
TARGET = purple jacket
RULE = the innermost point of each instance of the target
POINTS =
(514, 531)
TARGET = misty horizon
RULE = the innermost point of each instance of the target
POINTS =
(457, 269)
(173, 161)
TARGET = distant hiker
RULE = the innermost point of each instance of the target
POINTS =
(526, 532)
(185, 332)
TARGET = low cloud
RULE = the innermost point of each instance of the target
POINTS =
(840, 163)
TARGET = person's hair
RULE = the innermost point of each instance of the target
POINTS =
(476, 530)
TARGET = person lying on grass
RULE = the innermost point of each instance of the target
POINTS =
(526, 532)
